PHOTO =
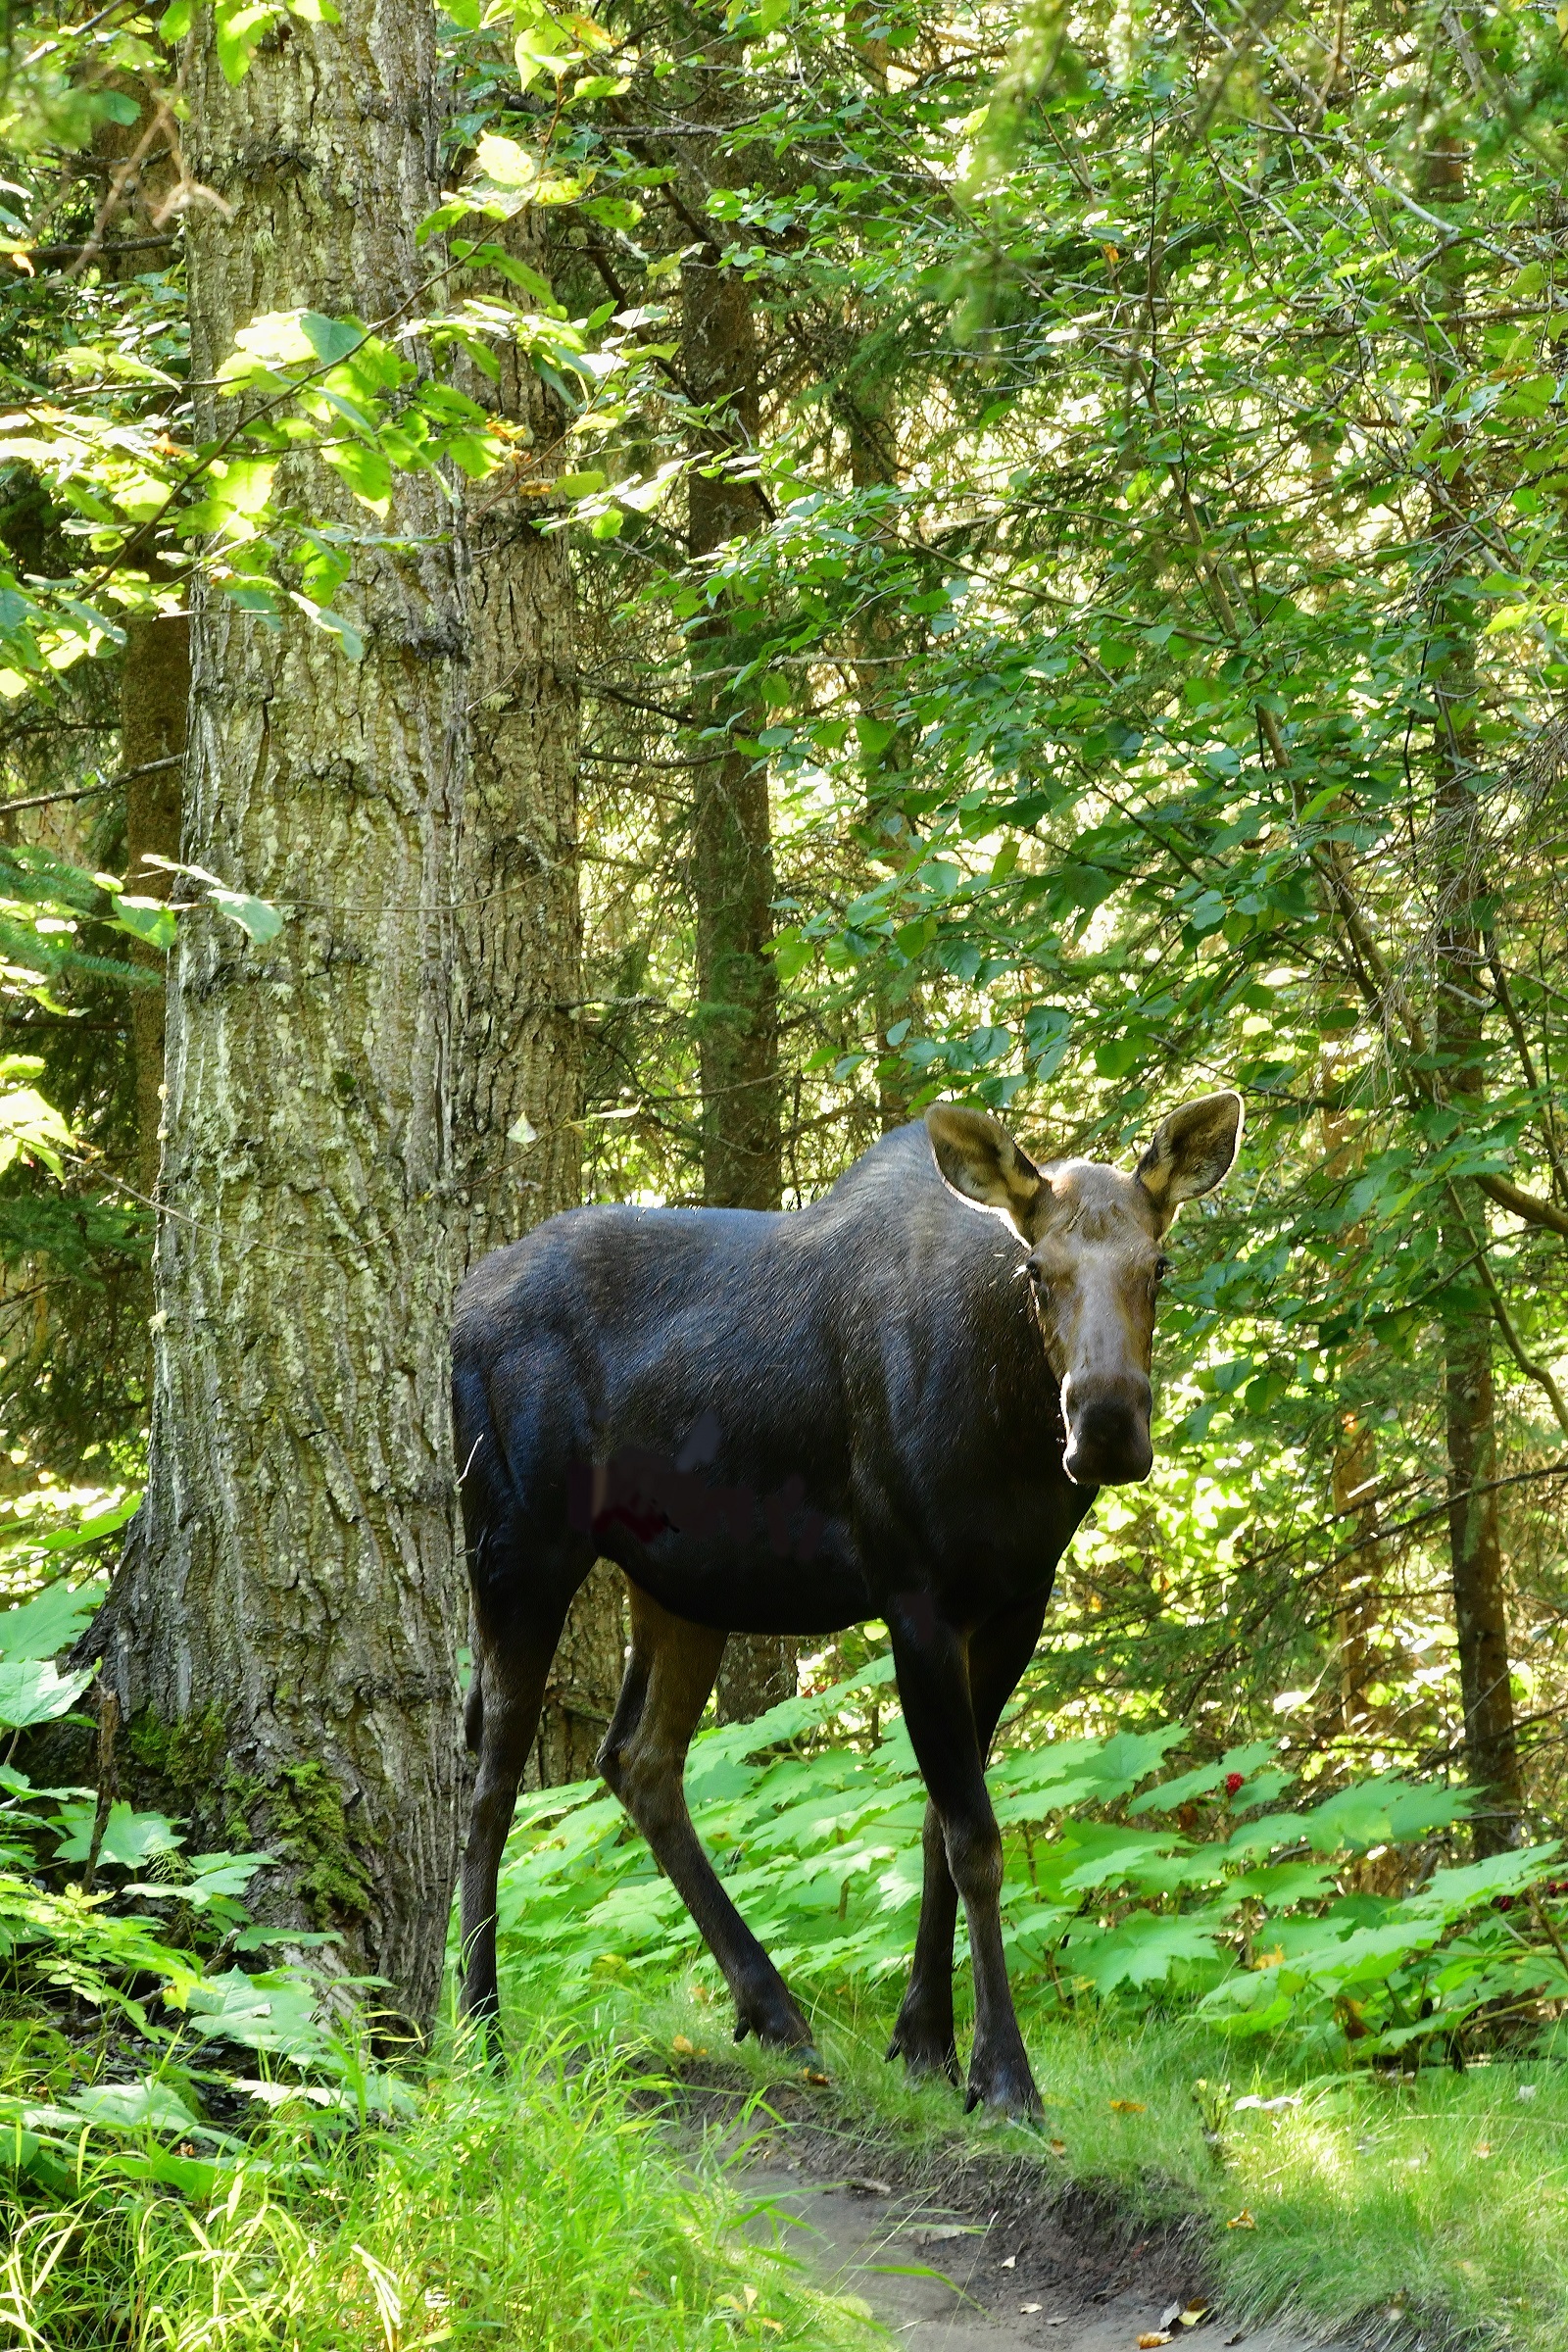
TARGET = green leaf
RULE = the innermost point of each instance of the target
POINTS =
(129, 1840)
(146, 919)
(50, 1622)
(330, 339)
(31, 1690)
(366, 472)
(132, 2105)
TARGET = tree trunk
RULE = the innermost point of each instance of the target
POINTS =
(154, 699)
(517, 1077)
(732, 846)
(1481, 1623)
(1354, 1469)
(732, 864)
(1480, 1613)
(887, 757)
(1353, 1472)
(135, 170)
(282, 1637)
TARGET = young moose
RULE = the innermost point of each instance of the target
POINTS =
(886, 1404)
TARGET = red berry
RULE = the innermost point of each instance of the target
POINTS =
(1232, 1780)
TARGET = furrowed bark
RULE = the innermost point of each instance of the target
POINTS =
(517, 1075)
(282, 1637)
(732, 846)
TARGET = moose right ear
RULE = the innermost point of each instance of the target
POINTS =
(979, 1159)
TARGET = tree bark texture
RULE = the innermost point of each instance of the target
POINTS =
(732, 841)
(518, 1076)
(281, 1638)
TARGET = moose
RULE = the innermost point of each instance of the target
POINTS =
(897, 1402)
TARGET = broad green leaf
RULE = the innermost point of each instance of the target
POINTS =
(31, 1690)
(50, 1622)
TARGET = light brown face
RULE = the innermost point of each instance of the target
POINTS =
(1094, 1261)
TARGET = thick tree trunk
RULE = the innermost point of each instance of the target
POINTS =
(281, 1638)
(517, 1077)
(732, 844)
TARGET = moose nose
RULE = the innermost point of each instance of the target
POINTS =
(1107, 1432)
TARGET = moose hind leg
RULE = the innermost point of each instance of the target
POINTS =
(502, 1719)
(923, 2037)
(669, 1679)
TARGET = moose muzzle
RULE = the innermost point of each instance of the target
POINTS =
(1109, 1444)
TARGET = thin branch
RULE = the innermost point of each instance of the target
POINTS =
(86, 792)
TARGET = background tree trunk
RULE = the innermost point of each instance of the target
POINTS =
(887, 750)
(732, 844)
(282, 1637)
(732, 864)
(154, 701)
(1475, 1546)
(517, 1075)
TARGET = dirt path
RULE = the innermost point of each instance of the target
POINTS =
(972, 2253)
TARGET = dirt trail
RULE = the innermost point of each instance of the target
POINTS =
(972, 2253)
(1000, 2288)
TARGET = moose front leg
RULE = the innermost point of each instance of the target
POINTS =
(939, 1713)
(923, 2037)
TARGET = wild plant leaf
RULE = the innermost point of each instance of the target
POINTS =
(50, 1622)
(32, 1690)
(129, 1839)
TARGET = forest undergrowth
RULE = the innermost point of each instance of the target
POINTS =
(1388, 2205)
(1291, 2007)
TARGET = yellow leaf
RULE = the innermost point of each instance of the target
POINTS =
(682, 2047)
(1242, 2221)
(1127, 2107)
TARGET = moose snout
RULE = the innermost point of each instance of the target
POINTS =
(1109, 1444)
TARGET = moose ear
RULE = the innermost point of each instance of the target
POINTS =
(979, 1159)
(1193, 1151)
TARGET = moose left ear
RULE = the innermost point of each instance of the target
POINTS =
(1193, 1151)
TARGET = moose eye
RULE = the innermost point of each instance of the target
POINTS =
(1161, 1268)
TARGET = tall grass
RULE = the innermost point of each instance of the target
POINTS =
(543, 2208)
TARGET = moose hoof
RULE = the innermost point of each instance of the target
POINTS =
(925, 2061)
(1006, 2093)
(780, 2033)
